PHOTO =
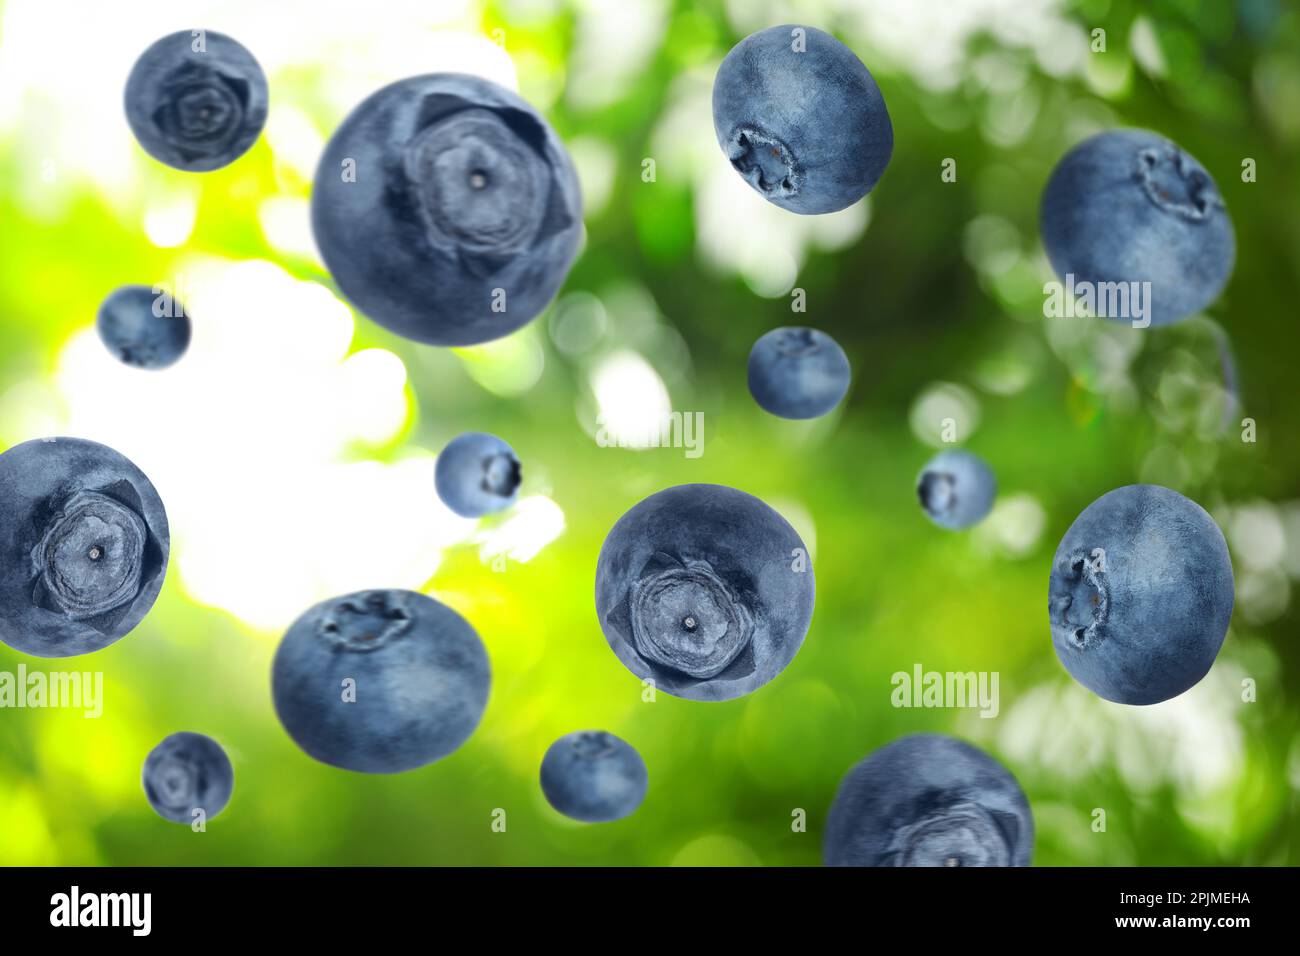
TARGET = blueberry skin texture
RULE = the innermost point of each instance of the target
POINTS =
(188, 772)
(1128, 205)
(808, 131)
(929, 800)
(593, 776)
(1143, 620)
(461, 189)
(420, 674)
(798, 372)
(196, 111)
(83, 547)
(956, 489)
(697, 589)
(477, 474)
(131, 328)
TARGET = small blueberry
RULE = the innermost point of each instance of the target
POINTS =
(447, 210)
(142, 329)
(798, 372)
(196, 100)
(1140, 595)
(801, 119)
(929, 800)
(477, 474)
(185, 773)
(956, 489)
(380, 681)
(704, 589)
(593, 776)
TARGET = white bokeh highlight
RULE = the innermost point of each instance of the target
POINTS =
(252, 441)
(632, 399)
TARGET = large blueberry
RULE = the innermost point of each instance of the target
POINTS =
(83, 546)
(477, 474)
(1129, 206)
(929, 800)
(142, 328)
(380, 681)
(593, 776)
(185, 773)
(956, 489)
(801, 119)
(447, 209)
(1140, 596)
(196, 100)
(798, 372)
(705, 590)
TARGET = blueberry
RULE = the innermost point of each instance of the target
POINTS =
(1129, 206)
(798, 372)
(447, 209)
(929, 800)
(956, 489)
(196, 100)
(1140, 596)
(801, 119)
(705, 590)
(143, 329)
(380, 681)
(83, 547)
(188, 772)
(477, 474)
(593, 776)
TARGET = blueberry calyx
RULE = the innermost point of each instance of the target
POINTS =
(200, 110)
(176, 782)
(365, 622)
(1176, 184)
(1080, 604)
(502, 474)
(592, 745)
(938, 493)
(765, 163)
(686, 617)
(796, 341)
(964, 834)
(482, 189)
(90, 558)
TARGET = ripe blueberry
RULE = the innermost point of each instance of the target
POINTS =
(83, 546)
(704, 589)
(447, 209)
(477, 474)
(1140, 596)
(380, 681)
(798, 372)
(139, 331)
(188, 772)
(593, 776)
(196, 100)
(956, 489)
(1130, 206)
(801, 119)
(929, 800)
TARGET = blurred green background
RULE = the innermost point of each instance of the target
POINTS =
(294, 444)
